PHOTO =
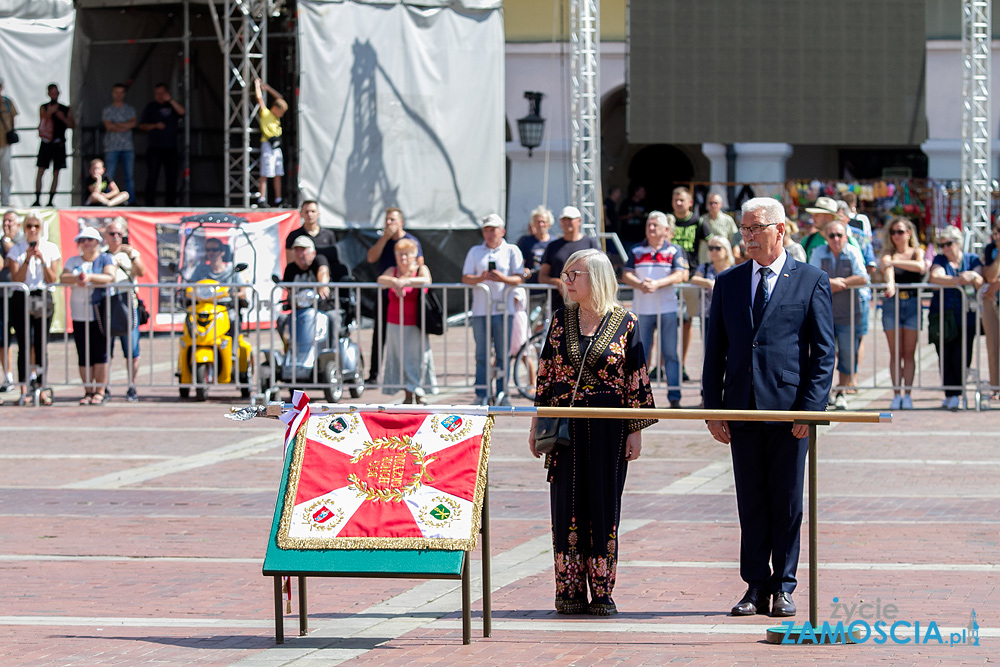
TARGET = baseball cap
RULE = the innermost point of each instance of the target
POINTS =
(570, 212)
(87, 233)
(492, 220)
(304, 242)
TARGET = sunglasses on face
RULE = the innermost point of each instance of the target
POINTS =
(114, 233)
(32, 226)
(714, 247)
(898, 232)
(835, 236)
(946, 244)
(213, 249)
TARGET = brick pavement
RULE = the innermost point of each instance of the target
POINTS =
(164, 567)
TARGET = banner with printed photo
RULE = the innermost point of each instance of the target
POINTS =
(171, 245)
(386, 481)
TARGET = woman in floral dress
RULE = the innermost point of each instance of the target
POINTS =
(587, 478)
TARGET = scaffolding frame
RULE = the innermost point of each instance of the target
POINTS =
(976, 158)
(245, 45)
(585, 81)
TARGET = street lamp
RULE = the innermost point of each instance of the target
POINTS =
(532, 127)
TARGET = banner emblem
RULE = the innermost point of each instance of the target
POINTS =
(441, 515)
(323, 516)
(389, 469)
(451, 428)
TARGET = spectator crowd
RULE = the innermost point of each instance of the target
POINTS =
(671, 269)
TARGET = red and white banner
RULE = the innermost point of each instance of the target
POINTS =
(160, 237)
(386, 481)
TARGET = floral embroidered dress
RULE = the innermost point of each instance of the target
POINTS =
(587, 478)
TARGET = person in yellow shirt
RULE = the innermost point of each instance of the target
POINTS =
(271, 163)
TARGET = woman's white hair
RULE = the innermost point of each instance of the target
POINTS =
(950, 233)
(542, 212)
(603, 285)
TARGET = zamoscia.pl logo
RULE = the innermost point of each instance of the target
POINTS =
(878, 624)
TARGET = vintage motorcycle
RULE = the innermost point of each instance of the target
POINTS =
(207, 356)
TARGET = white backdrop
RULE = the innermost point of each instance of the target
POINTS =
(36, 44)
(402, 106)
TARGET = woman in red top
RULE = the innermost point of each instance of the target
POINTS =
(408, 362)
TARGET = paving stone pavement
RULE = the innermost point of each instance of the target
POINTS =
(133, 534)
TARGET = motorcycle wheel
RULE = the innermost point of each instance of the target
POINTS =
(334, 390)
(201, 375)
(358, 385)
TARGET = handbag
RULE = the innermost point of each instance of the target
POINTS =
(552, 433)
(120, 315)
(433, 314)
(40, 304)
(936, 326)
(142, 315)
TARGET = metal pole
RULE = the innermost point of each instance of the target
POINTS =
(813, 531)
(466, 600)
(279, 627)
(303, 614)
(484, 529)
(186, 154)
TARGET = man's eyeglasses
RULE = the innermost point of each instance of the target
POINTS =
(898, 232)
(213, 249)
(570, 276)
(714, 247)
(834, 236)
(754, 230)
(114, 233)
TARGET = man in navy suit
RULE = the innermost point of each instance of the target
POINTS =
(770, 346)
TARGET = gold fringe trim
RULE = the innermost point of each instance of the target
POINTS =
(417, 543)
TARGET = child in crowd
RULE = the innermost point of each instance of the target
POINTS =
(102, 192)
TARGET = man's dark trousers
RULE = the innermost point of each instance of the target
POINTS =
(769, 467)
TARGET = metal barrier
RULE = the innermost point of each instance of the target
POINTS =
(190, 318)
(161, 364)
(967, 340)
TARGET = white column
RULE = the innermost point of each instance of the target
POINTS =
(761, 162)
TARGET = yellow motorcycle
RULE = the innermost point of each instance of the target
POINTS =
(206, 354)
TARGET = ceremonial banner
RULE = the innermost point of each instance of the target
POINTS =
(386, 481)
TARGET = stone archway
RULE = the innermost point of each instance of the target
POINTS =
(657, 167)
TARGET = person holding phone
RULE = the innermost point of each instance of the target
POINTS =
(497, 265)
(36, 263)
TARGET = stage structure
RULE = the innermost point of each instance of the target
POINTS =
(245, 46)
(36, 47)
(402, 104)
(976, 78)
(585, 65)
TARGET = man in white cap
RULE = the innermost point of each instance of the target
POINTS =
(559, 251)
(497, 265)
(823, 212)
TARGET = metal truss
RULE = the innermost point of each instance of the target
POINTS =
(585, 60)
(245, 44)
(976, 123)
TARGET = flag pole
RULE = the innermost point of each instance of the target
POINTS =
(275, 409)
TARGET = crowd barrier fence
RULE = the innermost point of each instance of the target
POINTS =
(455, 368)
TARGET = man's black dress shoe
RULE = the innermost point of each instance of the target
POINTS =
(754, 602)
(782, 605)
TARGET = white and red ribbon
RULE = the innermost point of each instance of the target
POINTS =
(295, 416)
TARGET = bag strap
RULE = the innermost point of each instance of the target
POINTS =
(583, 358)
